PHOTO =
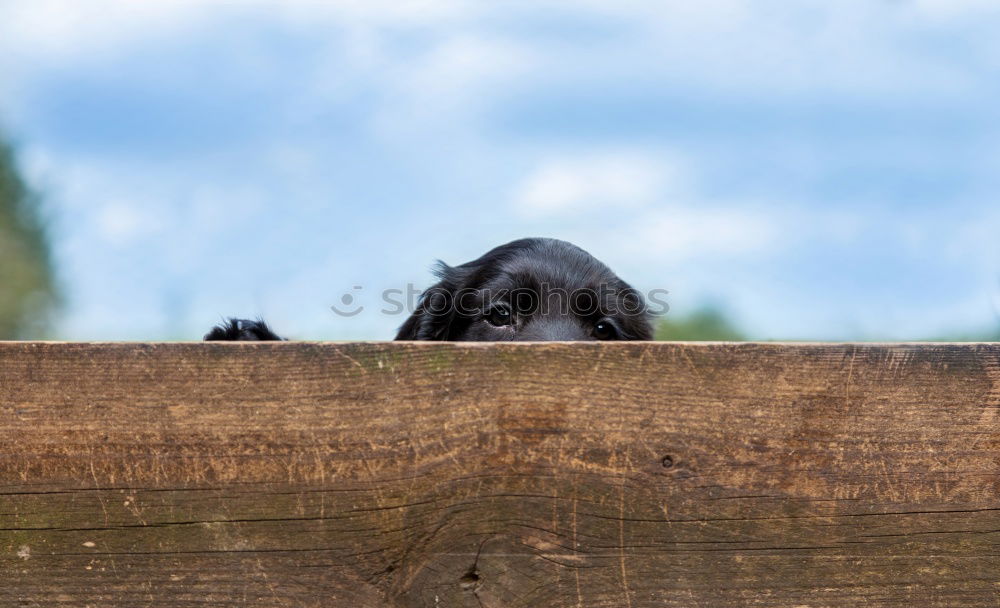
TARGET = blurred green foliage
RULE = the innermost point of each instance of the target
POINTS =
(980, 336)
(27, 284)
(707, 323)
(710, 324)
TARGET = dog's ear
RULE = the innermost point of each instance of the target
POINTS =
(435, 315)
(638, 327)
(634, 314)
(432, 319)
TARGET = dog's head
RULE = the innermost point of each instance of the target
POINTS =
(529, 289)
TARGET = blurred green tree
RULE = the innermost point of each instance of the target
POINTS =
(707, 323)
(984, 335)
(27, 285)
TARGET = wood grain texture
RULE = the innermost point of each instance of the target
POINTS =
(576, 475)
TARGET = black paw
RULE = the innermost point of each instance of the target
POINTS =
(241, 330)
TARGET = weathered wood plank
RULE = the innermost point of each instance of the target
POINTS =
(587, 475)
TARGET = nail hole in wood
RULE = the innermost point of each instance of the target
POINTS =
(469, 580)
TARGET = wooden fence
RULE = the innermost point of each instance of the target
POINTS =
(486, 475)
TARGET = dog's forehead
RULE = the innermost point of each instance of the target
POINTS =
(555, 269)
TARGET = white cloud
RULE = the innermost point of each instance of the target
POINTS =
(607, 179)
(955, 8)
(121, 222)
(443, 87)
(57, 23)
(748, 47)
(677, 233)
(62, 27)
(649, 202)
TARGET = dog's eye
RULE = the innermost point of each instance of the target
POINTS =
(605, 330)
(499, 316)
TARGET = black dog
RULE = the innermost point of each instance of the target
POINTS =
(529, 289)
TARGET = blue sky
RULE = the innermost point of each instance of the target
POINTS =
(819, 170)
